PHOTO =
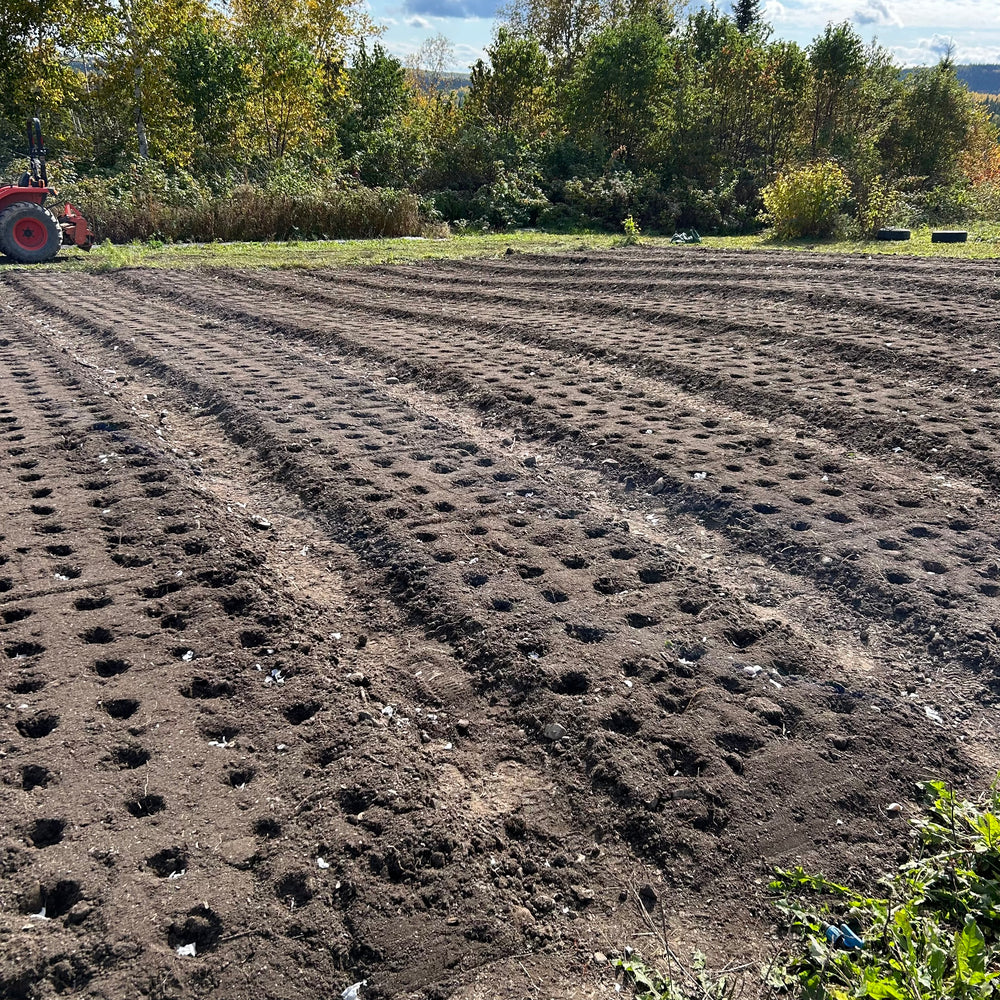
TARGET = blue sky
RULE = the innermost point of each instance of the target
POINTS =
(915, 31)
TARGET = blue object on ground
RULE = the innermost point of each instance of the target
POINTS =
(851, 940)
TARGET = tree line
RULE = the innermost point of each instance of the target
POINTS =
(582, 112)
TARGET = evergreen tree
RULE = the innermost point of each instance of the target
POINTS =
(746, 13)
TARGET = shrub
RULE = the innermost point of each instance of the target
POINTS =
(945, 204)
(806, 201)
(510, 201)
(877, 202)
(606, 199)
(561, 218)
(730, 206)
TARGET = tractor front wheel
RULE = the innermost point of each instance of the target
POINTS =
(29, 233)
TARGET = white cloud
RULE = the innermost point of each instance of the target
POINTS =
(928, 51)
(466, 55)
(421, 23)
(775, 12)
(877, 12)
(930, 15)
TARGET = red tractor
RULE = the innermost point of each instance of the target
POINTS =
(29, 232)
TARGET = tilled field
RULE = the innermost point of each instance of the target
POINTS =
(427, 625)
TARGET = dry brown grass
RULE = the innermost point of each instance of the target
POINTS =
(252, 214)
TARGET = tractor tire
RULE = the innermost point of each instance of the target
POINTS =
(893, 234)
(29, 233)
(949, 236)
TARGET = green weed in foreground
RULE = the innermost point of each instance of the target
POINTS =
(930, 931)
(631, 233)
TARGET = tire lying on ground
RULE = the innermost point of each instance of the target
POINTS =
(893, 234)
(949, 236)
(29, 233)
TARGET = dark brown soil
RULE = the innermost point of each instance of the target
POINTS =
(411, 624)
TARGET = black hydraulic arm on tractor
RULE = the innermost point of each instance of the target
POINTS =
(36, 154)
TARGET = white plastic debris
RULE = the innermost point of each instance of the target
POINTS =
(753, 670)
(699, 475)
(188, 656)
(187, 950)
(933, 714)
(40, 915)
(322, 863)
(353, 992)
(223, 743)
(179, 874)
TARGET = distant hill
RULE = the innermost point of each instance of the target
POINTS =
(980, 79)
(454, 81)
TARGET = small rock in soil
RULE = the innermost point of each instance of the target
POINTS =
(553, 731)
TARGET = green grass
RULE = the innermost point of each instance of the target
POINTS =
(984, 242)
(321, 253)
